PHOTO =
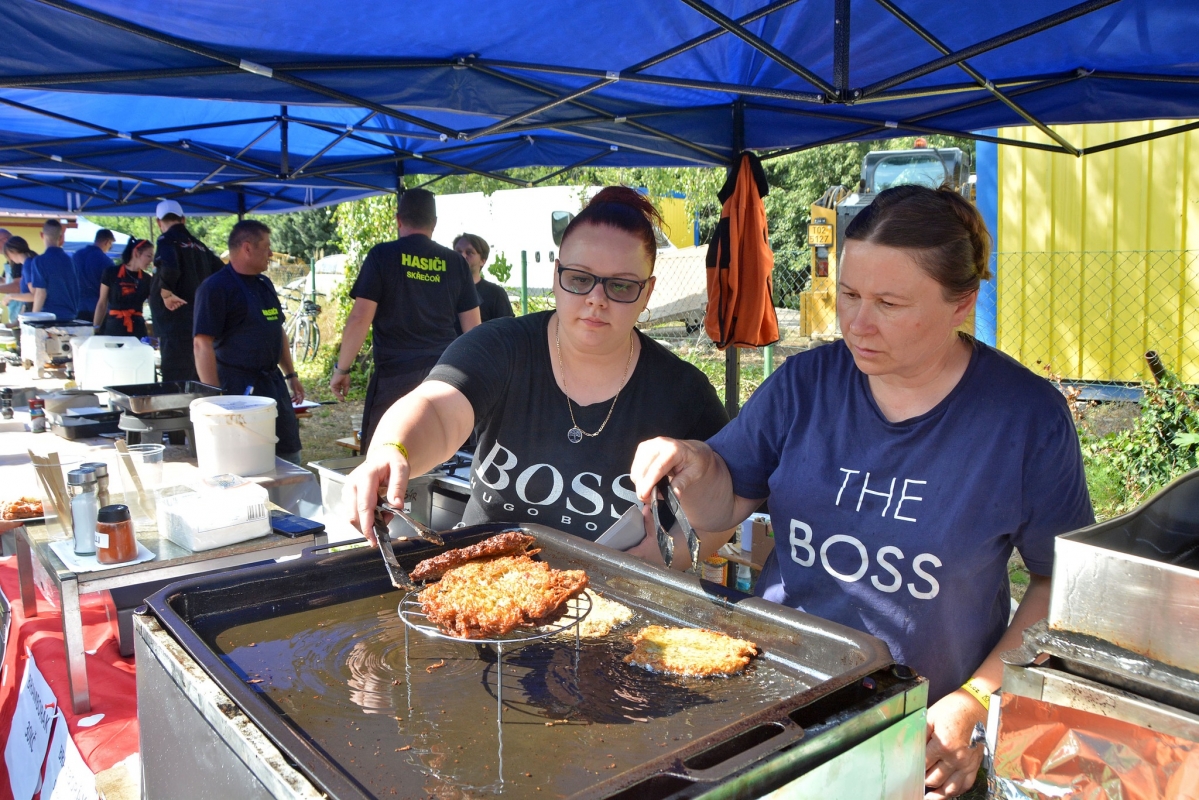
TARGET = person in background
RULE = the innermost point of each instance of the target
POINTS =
(90, 264)
(52, 276)
(493, 299)
(417, 295)
(239, 337)
(16, 253)
(124, 291)
(182, 262)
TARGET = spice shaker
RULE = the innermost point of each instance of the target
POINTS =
(101, 470)
(37, 415)
(6, 403)
(114, 535)
(84, 508)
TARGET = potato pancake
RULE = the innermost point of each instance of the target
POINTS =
(507, 543)
(693, 652)
(486, 598)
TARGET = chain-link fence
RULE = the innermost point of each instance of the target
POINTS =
(1093, 315)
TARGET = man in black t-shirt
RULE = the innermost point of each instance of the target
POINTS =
(493, 299)
(417, 294)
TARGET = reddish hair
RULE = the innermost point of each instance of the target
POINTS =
(625, 210)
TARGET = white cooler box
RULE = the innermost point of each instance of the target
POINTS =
(219, 511)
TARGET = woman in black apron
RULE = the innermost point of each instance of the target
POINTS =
(123, 292)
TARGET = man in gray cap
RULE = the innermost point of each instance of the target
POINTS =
(182, 262)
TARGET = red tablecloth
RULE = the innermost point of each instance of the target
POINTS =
(110, 677)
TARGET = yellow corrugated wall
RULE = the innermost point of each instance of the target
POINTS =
(1099, 256)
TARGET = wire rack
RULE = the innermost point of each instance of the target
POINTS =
(576, 609)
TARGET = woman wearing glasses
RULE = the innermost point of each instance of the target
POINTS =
(560, 399)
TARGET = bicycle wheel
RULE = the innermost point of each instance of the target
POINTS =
(315, 344)
(301, 346)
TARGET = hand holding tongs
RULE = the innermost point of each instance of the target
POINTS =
(665, 540)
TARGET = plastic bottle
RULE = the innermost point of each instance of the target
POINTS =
(84, 509)
(37, 415)
(744, 579)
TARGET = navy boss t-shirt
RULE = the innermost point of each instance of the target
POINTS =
(525, 469)
(904, 530)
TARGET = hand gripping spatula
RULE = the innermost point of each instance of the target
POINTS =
(665, 540)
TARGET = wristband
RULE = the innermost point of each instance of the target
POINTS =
(978, 694)
(289, 376)
(398, 446)
(339, 371)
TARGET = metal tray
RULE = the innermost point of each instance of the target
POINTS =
(1132, 581)
(149, 398)
(838, 672)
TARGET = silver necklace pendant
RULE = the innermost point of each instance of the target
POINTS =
(575, 434)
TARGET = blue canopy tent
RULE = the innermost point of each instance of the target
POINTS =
(107, 106)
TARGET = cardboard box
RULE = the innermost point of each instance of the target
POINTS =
(761, 539)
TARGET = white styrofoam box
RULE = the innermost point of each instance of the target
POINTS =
(217, 512)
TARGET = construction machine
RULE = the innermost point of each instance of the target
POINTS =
(837, 207)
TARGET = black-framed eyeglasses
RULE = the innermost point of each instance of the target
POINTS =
(618, 290)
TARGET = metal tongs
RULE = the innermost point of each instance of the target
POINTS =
(399, 578)
(665, 540)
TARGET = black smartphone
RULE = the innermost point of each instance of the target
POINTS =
(290, 525)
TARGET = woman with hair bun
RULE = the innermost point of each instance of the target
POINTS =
(902, 465)
(559, 399)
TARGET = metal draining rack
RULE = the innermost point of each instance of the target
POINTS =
(576, 610)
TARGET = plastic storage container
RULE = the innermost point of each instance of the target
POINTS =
(234, 435)
(219, 511)
(113, 361)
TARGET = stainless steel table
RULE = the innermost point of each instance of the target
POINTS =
(38, 566)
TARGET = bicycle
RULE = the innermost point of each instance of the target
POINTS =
(303, 330)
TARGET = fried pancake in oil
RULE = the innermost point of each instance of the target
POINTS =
(693, 652)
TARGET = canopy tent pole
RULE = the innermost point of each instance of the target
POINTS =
(284, 168)
(950, 59)
(241, 206)
(245, 65)
(732, 354)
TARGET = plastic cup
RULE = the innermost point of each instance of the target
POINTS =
(147, 460)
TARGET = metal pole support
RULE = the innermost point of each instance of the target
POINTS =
(524, 282)
(767, 361)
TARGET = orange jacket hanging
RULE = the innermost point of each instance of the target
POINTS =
(740, 288)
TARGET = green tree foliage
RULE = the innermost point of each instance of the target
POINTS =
(305, 233)
(299, 234)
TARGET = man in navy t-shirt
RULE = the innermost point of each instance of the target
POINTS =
(54, 283)
(90, 263)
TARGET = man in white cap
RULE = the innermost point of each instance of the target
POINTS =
(182, 262)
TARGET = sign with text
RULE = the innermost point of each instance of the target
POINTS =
(29, 736)
(67, 776)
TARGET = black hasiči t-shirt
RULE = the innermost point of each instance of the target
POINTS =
(421, 288)
(525, 468)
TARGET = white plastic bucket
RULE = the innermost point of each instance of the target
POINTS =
(234, 434)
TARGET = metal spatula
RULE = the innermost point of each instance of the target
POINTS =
(665, 540)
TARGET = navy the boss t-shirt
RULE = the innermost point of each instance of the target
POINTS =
(904, 530)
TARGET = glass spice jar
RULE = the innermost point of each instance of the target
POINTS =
(114, 535)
